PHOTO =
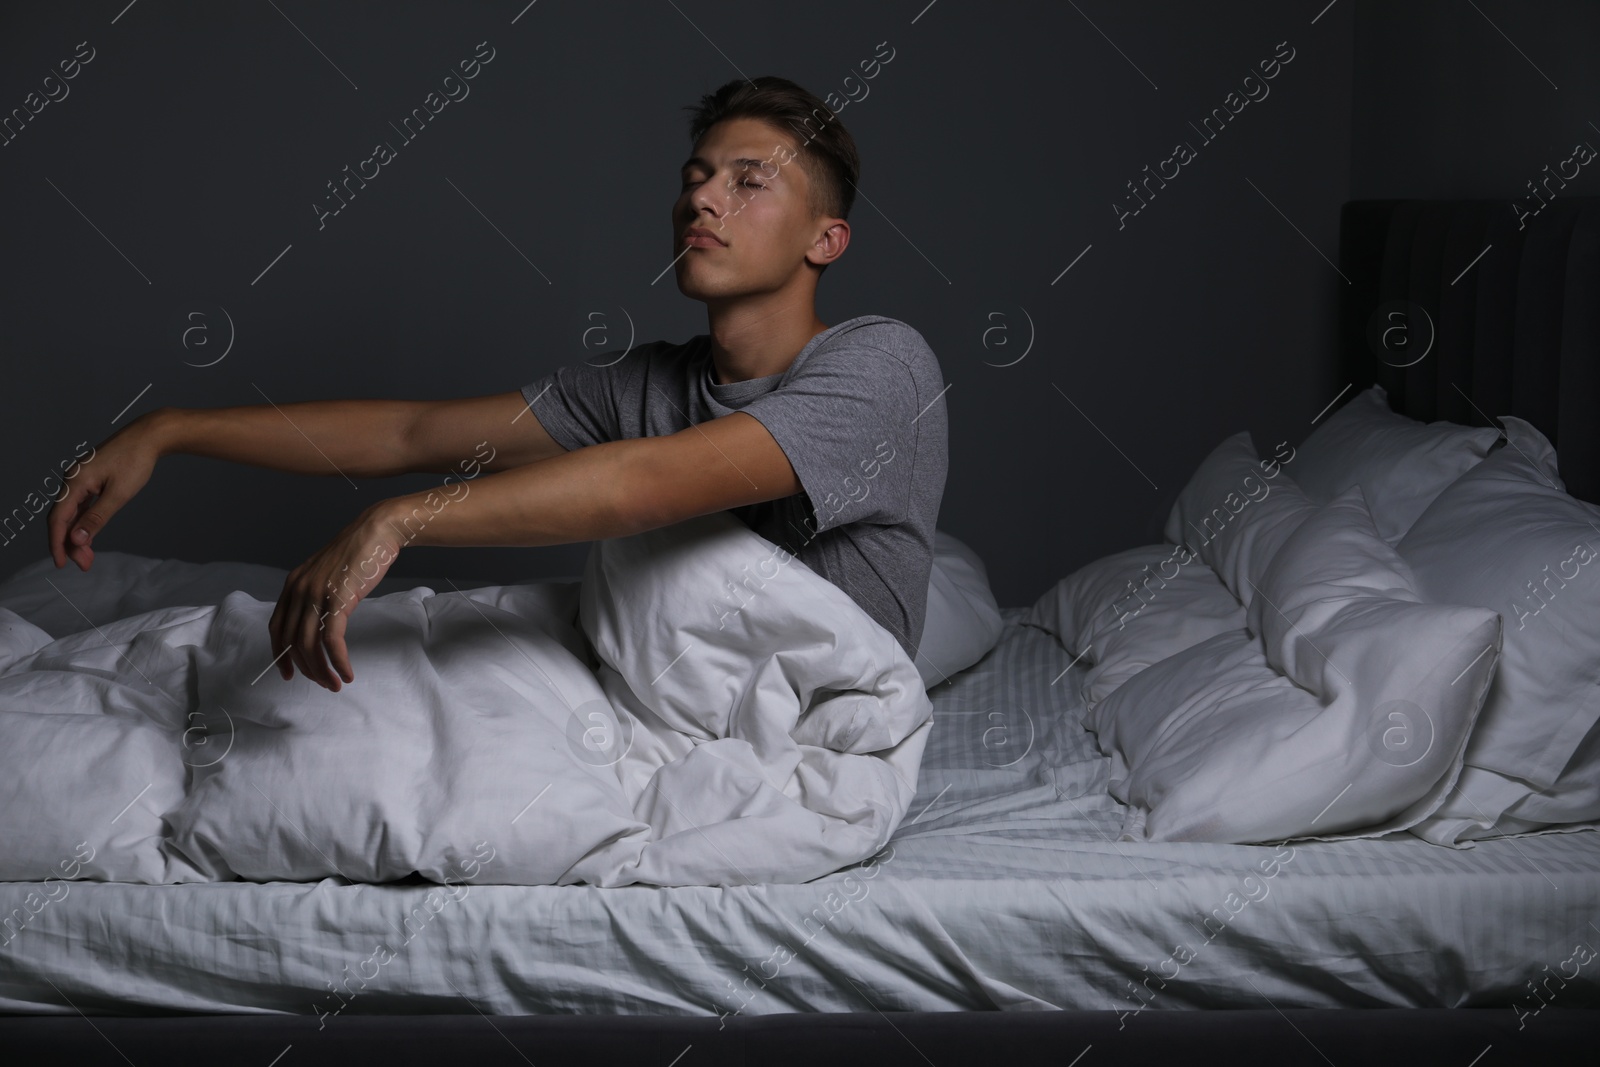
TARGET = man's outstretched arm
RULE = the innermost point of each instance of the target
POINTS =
(353, 438)
(356, 438)
(613, 489)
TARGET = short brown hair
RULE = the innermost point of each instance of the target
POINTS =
(827, 151)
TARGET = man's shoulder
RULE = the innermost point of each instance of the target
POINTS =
(879, 331)
(889, 335)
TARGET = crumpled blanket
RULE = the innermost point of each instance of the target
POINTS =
(701, 709)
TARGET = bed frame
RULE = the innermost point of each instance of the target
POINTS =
(1466, 309)
(1462, 310)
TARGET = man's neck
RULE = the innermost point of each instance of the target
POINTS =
(755, 340)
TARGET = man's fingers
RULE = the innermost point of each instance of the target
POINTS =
(283, 665)
(300, 662)
(295, 636)
(64, 518)
(81, 551)
(309, 646)
(283, 659)
(307, 632)
(56, 529)
(278, 628)
(92, 518)
(272, 634)
(333, 640)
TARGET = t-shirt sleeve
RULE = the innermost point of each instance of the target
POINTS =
(581, 404)
(847, 423)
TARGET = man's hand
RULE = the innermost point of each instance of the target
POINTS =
(319, 595)
(111, 476)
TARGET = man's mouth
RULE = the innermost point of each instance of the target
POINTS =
(698, 237)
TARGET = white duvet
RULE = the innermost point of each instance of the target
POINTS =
(702, 709)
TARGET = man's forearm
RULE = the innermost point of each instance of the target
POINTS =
(355, 438)
(581, 495)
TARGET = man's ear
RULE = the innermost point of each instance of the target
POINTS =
(830, 243)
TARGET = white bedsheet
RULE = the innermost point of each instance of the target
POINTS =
(1004, 887)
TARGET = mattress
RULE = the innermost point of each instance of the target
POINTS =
(1004, 888)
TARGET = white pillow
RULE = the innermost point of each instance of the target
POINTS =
(963, 621)
(1134, 608)
(1508, 537)
(1098, 594)
(1401, 464)
(1572, 803)
(1346, 717)
(1236, 510)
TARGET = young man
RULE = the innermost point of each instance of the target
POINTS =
(828, 441)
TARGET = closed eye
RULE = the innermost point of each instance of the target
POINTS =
(751, 184)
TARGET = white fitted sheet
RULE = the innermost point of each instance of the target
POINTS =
(1004, 888)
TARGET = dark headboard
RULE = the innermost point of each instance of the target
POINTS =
(1514, 330)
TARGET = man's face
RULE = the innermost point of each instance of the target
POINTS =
(743, 184)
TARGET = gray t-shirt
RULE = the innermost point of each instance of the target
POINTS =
(860, 415)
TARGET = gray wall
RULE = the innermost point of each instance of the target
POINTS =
(1456, 102)
(191, 148)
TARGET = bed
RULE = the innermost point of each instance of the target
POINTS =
(1013, 911)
